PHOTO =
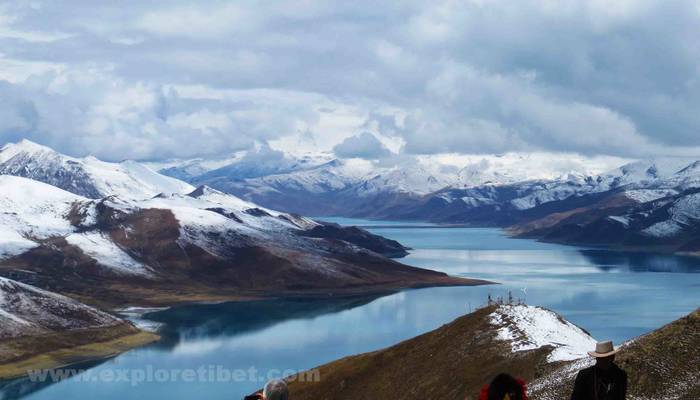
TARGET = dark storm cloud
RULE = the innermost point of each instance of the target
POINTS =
(592, 76)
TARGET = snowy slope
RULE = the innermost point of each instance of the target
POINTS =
(515, 167)
(683, 213)
(26, 310)
(87, 176)
(32, 211)
(179, 245)
(529, 328)
(187, 169)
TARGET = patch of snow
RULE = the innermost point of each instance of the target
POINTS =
(12, 243)
(29, 210)
(625, 221)
(687, 208)
(684, 212)
(529, 328)
(647, 195)
(662, 229)
(107, 253)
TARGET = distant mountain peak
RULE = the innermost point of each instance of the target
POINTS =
(86, 176)
(24, 146)
(28, 145)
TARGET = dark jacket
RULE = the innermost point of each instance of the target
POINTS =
(610, 385)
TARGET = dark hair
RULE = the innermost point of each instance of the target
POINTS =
(504, 384)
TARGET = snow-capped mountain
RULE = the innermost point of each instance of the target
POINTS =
(509, 168)
(87, 176)
(204, 243)
(505, 204)
(534, 192)
(259, 161)
(670, 223)
(319, 185)
(333, 187)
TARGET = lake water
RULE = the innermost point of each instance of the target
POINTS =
(613, 295)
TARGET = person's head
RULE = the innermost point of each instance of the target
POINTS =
(605, 362)
(604, 354)
(276, 390)
(504, 386)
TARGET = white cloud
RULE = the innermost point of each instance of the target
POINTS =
(472, 76)
(198, 20)
(363, 145)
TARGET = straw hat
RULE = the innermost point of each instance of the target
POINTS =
(603, 349)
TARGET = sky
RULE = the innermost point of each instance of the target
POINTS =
(154, 80)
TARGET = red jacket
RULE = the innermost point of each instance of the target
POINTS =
(484, 395)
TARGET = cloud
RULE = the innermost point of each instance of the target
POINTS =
(363, 145)
(95, 113)
(196, 78)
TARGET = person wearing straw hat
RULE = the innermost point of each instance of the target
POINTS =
(603, 381)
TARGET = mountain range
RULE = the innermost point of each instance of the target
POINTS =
(203, 243)
(643, 204)
(646, 204)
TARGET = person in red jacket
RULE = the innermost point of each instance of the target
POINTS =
(504, 387)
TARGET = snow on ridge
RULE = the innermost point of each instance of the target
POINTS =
(31, 209)
(88, 175)
(647, 195)
(10, 150)
(529, 328)
(107, 253)
(625, 221)
(131, 180)
(684, 212)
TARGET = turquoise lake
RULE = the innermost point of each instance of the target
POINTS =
(613, 295)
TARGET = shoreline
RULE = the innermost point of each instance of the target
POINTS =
(137, 337)
(169, 298)
(65, 357)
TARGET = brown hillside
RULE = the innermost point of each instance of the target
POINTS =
(451, 362)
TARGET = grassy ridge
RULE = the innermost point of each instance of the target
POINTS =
(65, 348)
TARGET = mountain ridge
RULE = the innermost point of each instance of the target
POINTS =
(88, 176)
(538, 345)
(205, 243)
